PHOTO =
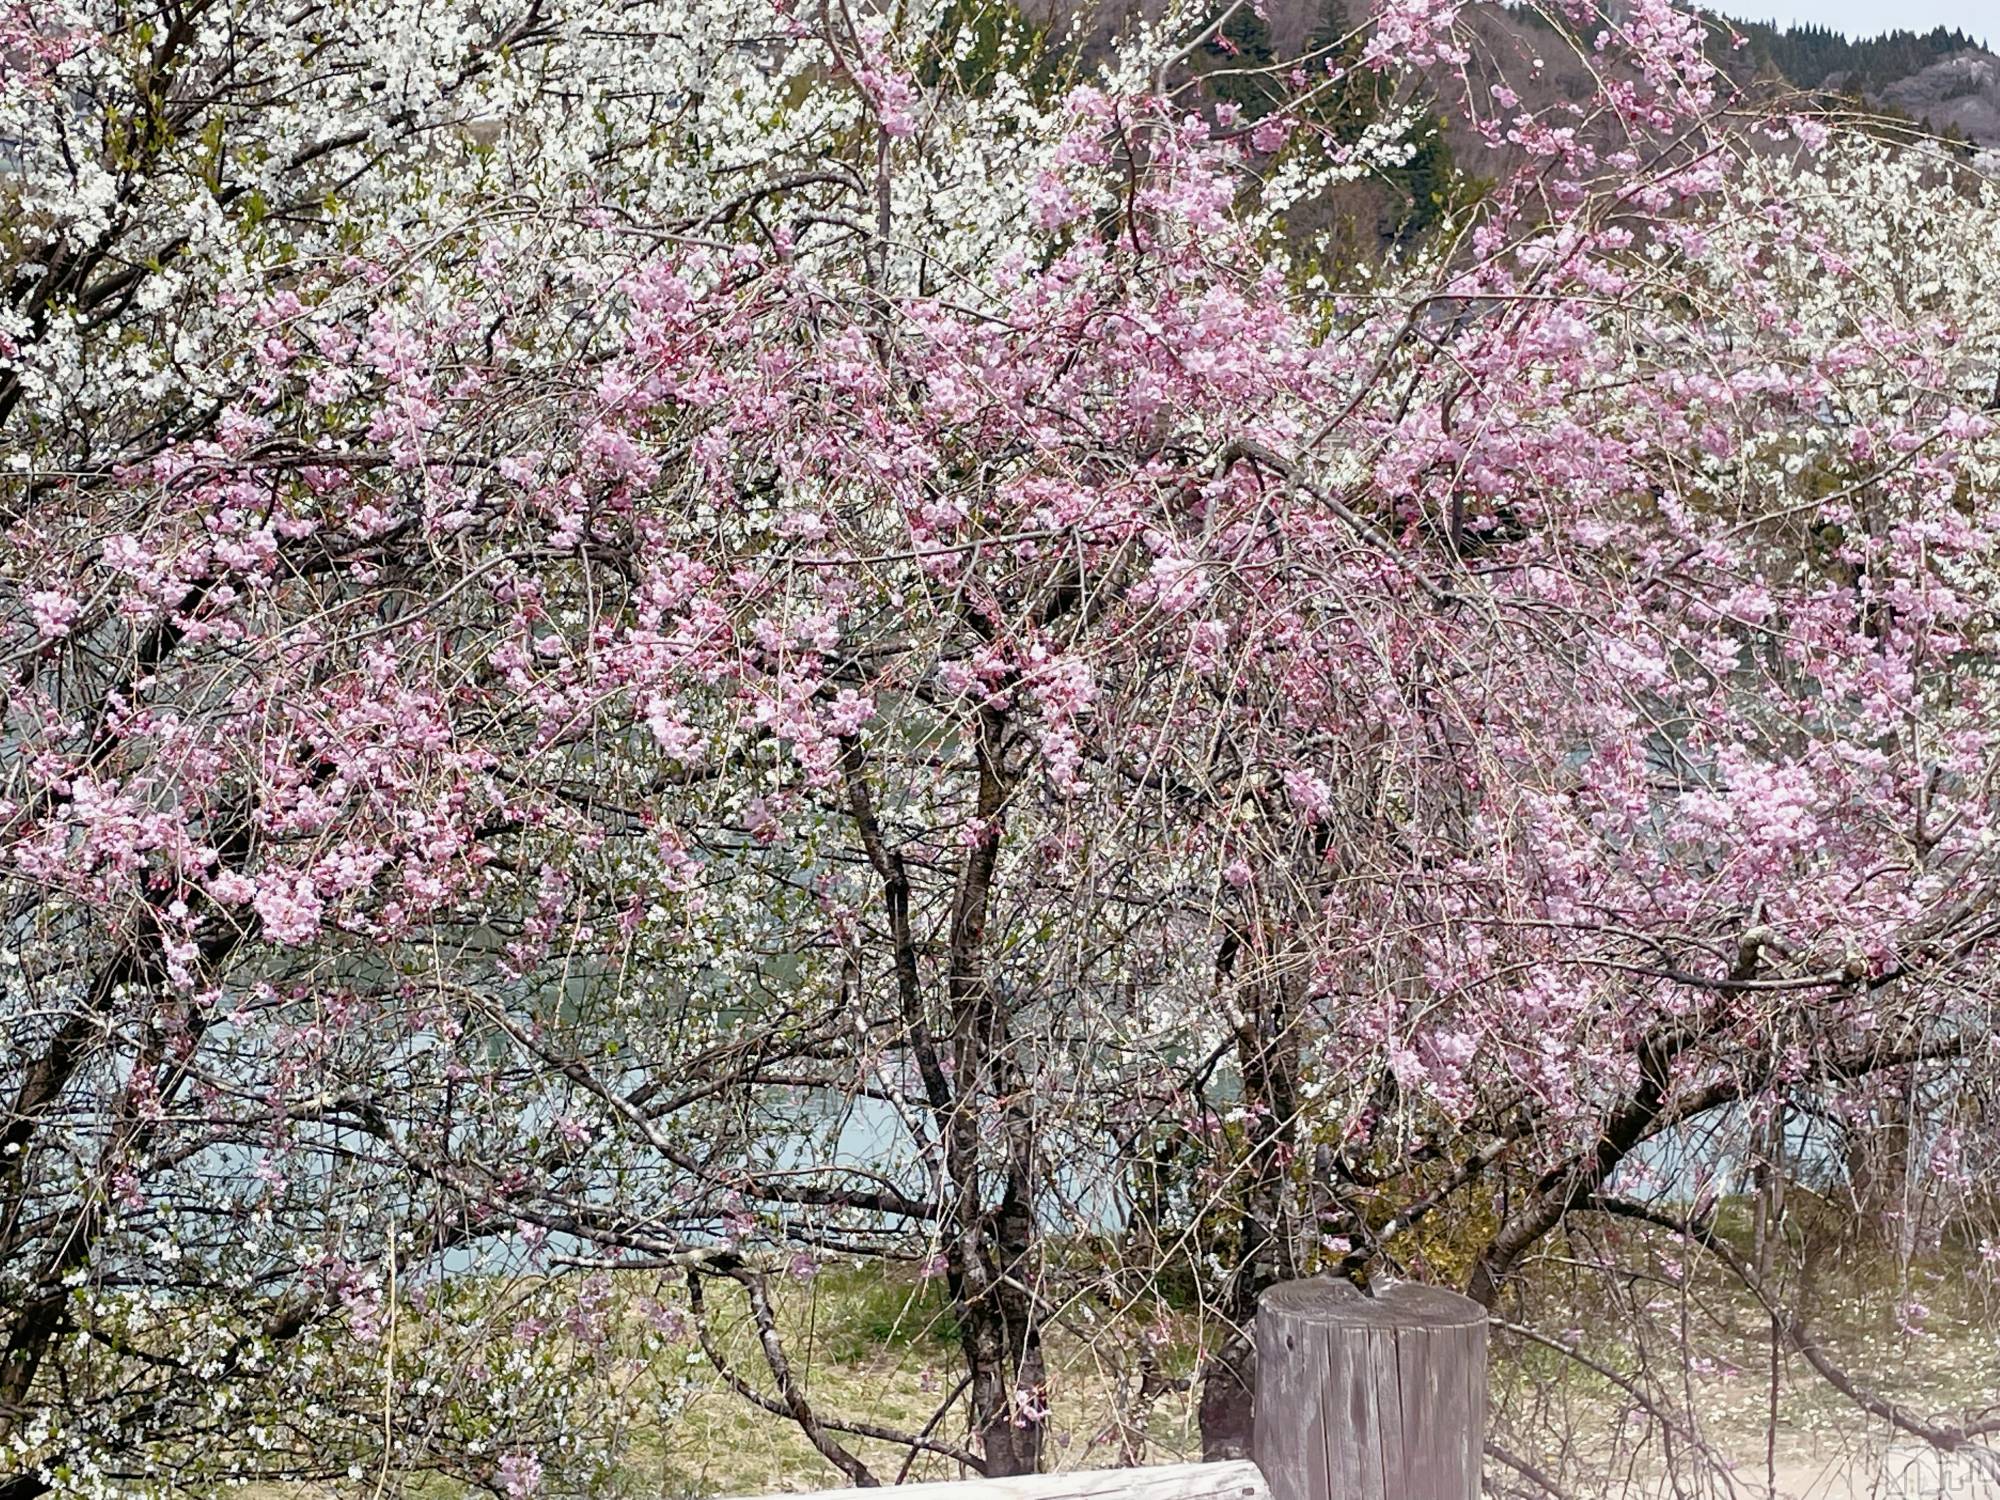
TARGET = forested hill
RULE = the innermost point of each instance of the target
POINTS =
(1945, 78)
(1942, 77)
(1813, 54)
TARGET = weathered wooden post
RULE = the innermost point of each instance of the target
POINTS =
(1369, 1398)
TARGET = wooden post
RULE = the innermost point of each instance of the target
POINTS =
(1369, 1398)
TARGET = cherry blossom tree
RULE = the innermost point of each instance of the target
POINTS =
(649, 648)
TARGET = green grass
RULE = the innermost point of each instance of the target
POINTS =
(881, 1345)
(853, 1314)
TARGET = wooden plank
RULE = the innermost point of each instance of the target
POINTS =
(1239, 1480)
(1395, 1420)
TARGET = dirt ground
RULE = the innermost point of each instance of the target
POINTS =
(1861, 1471)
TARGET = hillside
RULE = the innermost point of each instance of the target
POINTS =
(1942, 78)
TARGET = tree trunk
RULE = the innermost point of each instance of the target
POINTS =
(1265, 1251)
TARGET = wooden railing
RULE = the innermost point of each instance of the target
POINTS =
(1358, 1397)
(1225, 1481)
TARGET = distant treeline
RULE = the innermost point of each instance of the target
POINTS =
(1806, 55)
(1810, 55)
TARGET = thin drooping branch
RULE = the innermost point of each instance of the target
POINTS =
(1945, 1437)
(791, 1401)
